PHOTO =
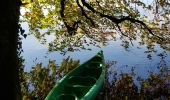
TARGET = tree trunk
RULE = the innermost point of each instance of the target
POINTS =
(9, 27)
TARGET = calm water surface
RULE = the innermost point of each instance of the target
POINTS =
(35, 52)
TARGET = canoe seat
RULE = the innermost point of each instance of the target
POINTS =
(79, 85)
(66, 97)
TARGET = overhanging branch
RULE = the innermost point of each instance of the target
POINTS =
(84, 13)
(74, 26)
(117, 21)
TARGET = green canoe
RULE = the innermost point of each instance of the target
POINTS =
(82, 83)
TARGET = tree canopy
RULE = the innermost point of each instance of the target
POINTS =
(80, 23)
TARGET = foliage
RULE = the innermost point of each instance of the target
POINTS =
(94, 22)
(36, 84)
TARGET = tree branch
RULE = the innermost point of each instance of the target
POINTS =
(72, 28)
(117, 21)
(62, 3)
(84, 13)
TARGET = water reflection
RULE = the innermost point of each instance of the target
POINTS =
(35, 52)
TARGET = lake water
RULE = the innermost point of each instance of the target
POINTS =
(35, 52)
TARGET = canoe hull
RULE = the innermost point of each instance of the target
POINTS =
(82, 83)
